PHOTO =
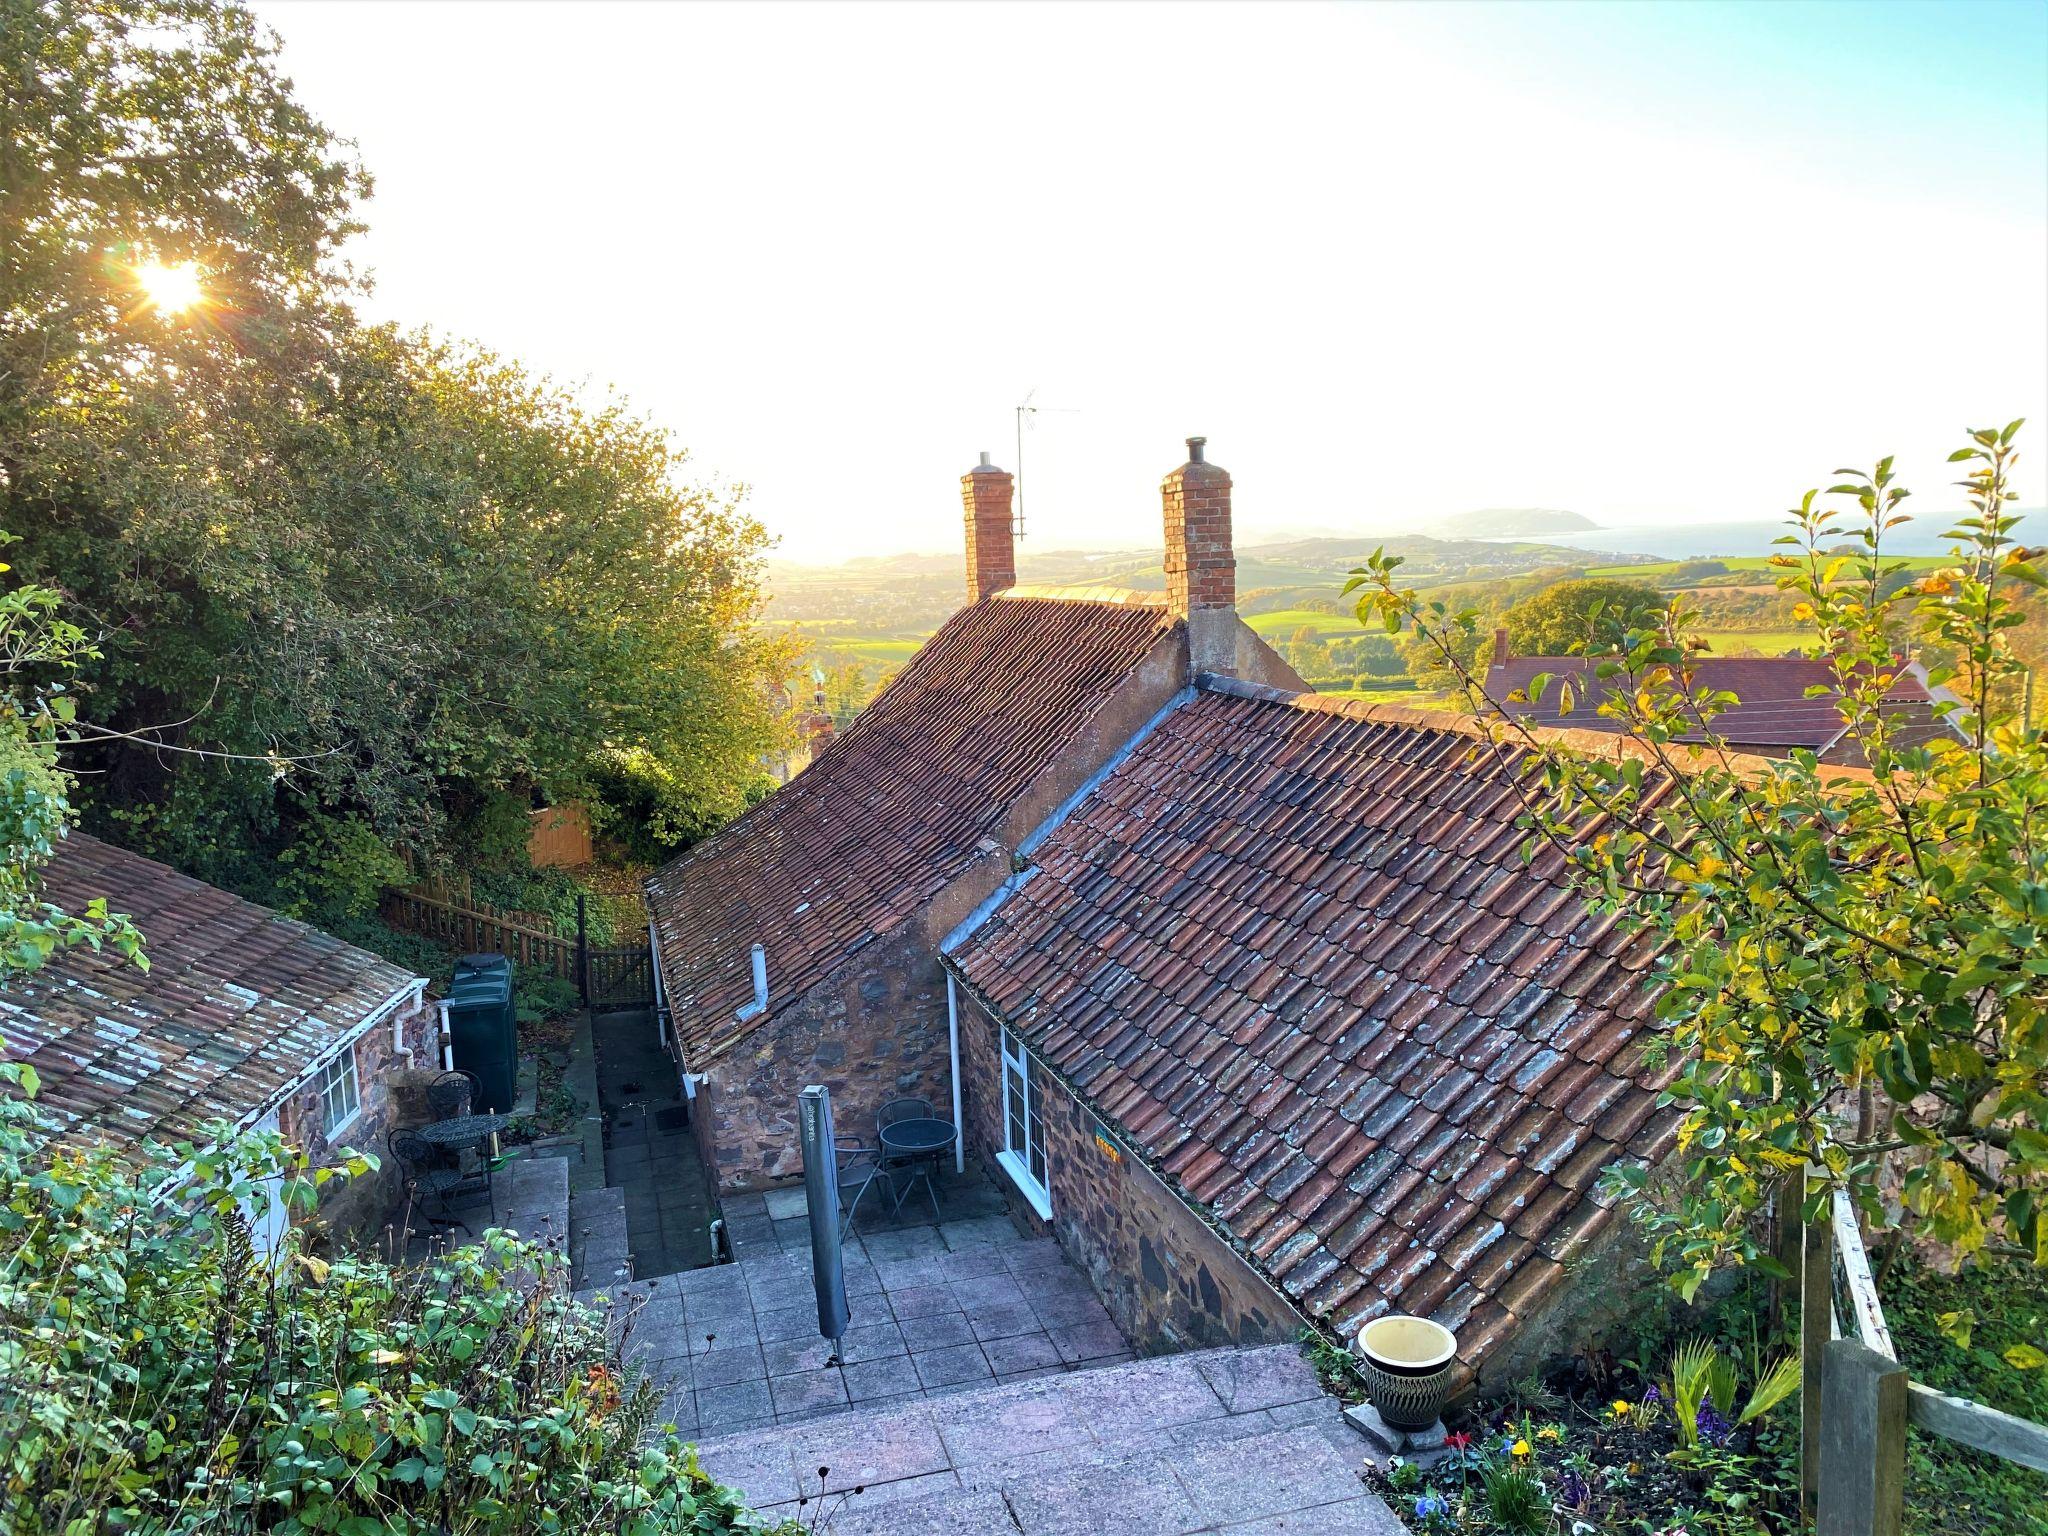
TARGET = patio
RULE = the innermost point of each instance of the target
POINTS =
(938, 1306)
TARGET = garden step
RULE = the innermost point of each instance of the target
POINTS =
(598, 1250)
(1219, 1441)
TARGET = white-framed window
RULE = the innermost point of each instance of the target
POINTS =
(1023, 1154)
(340, 1095)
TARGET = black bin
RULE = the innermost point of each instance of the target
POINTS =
(483, 1028)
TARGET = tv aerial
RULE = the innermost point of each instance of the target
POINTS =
(1026, 410)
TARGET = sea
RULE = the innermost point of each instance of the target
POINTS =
(1686, 541)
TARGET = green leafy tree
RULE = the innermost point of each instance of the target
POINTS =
(158, 1375)
(1565, 619)
(400, 571)
(39, 650)
(1854, 964)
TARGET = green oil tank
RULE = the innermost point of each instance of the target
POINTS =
(483, 1028)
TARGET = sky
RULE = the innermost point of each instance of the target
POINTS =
(1647, 262)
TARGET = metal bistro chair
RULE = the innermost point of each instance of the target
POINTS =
(859, 1165)
(892, 1162)
(454, 1093)
(427, 1178)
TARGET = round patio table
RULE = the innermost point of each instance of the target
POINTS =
(920, 1142)
(459, 1131)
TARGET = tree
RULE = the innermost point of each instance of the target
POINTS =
(1854, 965)
(39, 649)
(1564, 619)
(379, 577)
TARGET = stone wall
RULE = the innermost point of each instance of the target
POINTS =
(1168, 1278)
(390, 1082)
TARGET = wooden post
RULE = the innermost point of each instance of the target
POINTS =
(1788, 1243)
(1863, 1447)
(1816, 1326)
(583, 947)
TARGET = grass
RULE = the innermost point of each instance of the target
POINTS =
(1651, 573)
(1763, 642)
(1398, 694)
(1283, 622)
(867, 647)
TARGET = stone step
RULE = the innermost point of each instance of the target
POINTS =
(1223, 1440)
(599, 1253)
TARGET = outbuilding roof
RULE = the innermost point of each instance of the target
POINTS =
(238, 1004)
(1290, 949)
(892, 810)
(1775, 707)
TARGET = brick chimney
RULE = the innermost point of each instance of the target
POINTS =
(991, 547)
(1501, 653)
(1201, 570)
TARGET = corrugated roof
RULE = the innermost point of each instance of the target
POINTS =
(237, 1004)
(1290, 949)
(891, 811)
(1774, 708)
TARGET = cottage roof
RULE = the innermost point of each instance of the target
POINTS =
(238, 1004)
(893, 809)
(1289, 948)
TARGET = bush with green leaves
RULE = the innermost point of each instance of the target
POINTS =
(157, 1374)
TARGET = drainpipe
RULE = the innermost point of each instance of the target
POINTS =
(953, 1049)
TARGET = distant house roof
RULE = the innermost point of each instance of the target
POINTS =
(238, 1004)
(1290, 949)
(891, 811)
(1774, 711)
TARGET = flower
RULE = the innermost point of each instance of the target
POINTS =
(1432, 1506)
(1574, 1492)
(1618, 1409)
(1459, 1440)
(1550, 1434)
(1651, 1398)
(1521, 1448)
(1713, 1428)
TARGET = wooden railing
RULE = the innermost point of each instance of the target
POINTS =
(1856, 1399)
(620, 976)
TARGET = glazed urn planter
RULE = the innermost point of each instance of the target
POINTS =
(1406, 1363)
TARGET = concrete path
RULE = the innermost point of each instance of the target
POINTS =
(650, 1153)
(1239, 1441)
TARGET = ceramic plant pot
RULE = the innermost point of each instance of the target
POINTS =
(1406, 1363)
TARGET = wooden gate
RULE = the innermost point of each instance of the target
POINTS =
(619, 978)
(616, 976)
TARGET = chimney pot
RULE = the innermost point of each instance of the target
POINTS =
(1195, 447)
(984, 459)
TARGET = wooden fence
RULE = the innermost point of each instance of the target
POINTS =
(559, 835)
(1855, 1398)
(619, 976)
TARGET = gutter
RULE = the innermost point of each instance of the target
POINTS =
(387, 1009)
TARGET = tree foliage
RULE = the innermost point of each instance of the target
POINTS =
(157, 1374)
(1565, 619)
(1854, 965)
(334, 569)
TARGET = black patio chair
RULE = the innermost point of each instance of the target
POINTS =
(426, 1179)
(453, 1093)
(859, 1165)
(894, 1162)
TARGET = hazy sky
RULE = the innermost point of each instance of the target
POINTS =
(1394, 260)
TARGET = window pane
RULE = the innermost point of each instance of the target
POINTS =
(1038, 1162)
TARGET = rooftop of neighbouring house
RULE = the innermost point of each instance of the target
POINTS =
(1775, 704)
(1289, 948)
(237, 1004)
(893, 808)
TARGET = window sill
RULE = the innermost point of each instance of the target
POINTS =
(1030, 1188)
(341, 1125)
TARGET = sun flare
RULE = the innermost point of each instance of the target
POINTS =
(170, 288)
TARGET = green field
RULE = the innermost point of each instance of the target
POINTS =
(869, 648)
(1764, 642)
(1283, 622)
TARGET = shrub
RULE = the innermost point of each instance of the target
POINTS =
(158, 1375)
(337, 868)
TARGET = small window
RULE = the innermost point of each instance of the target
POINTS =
(340, 1097)
(1023, 1154)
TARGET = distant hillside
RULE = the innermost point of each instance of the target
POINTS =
(1514, 523)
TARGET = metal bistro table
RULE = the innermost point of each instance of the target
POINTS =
(461, 1131)
(919, 1143)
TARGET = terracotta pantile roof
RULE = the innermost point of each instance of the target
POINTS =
(891, 812)
(1774, 711)
(237, 1004)
(1290, 948)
